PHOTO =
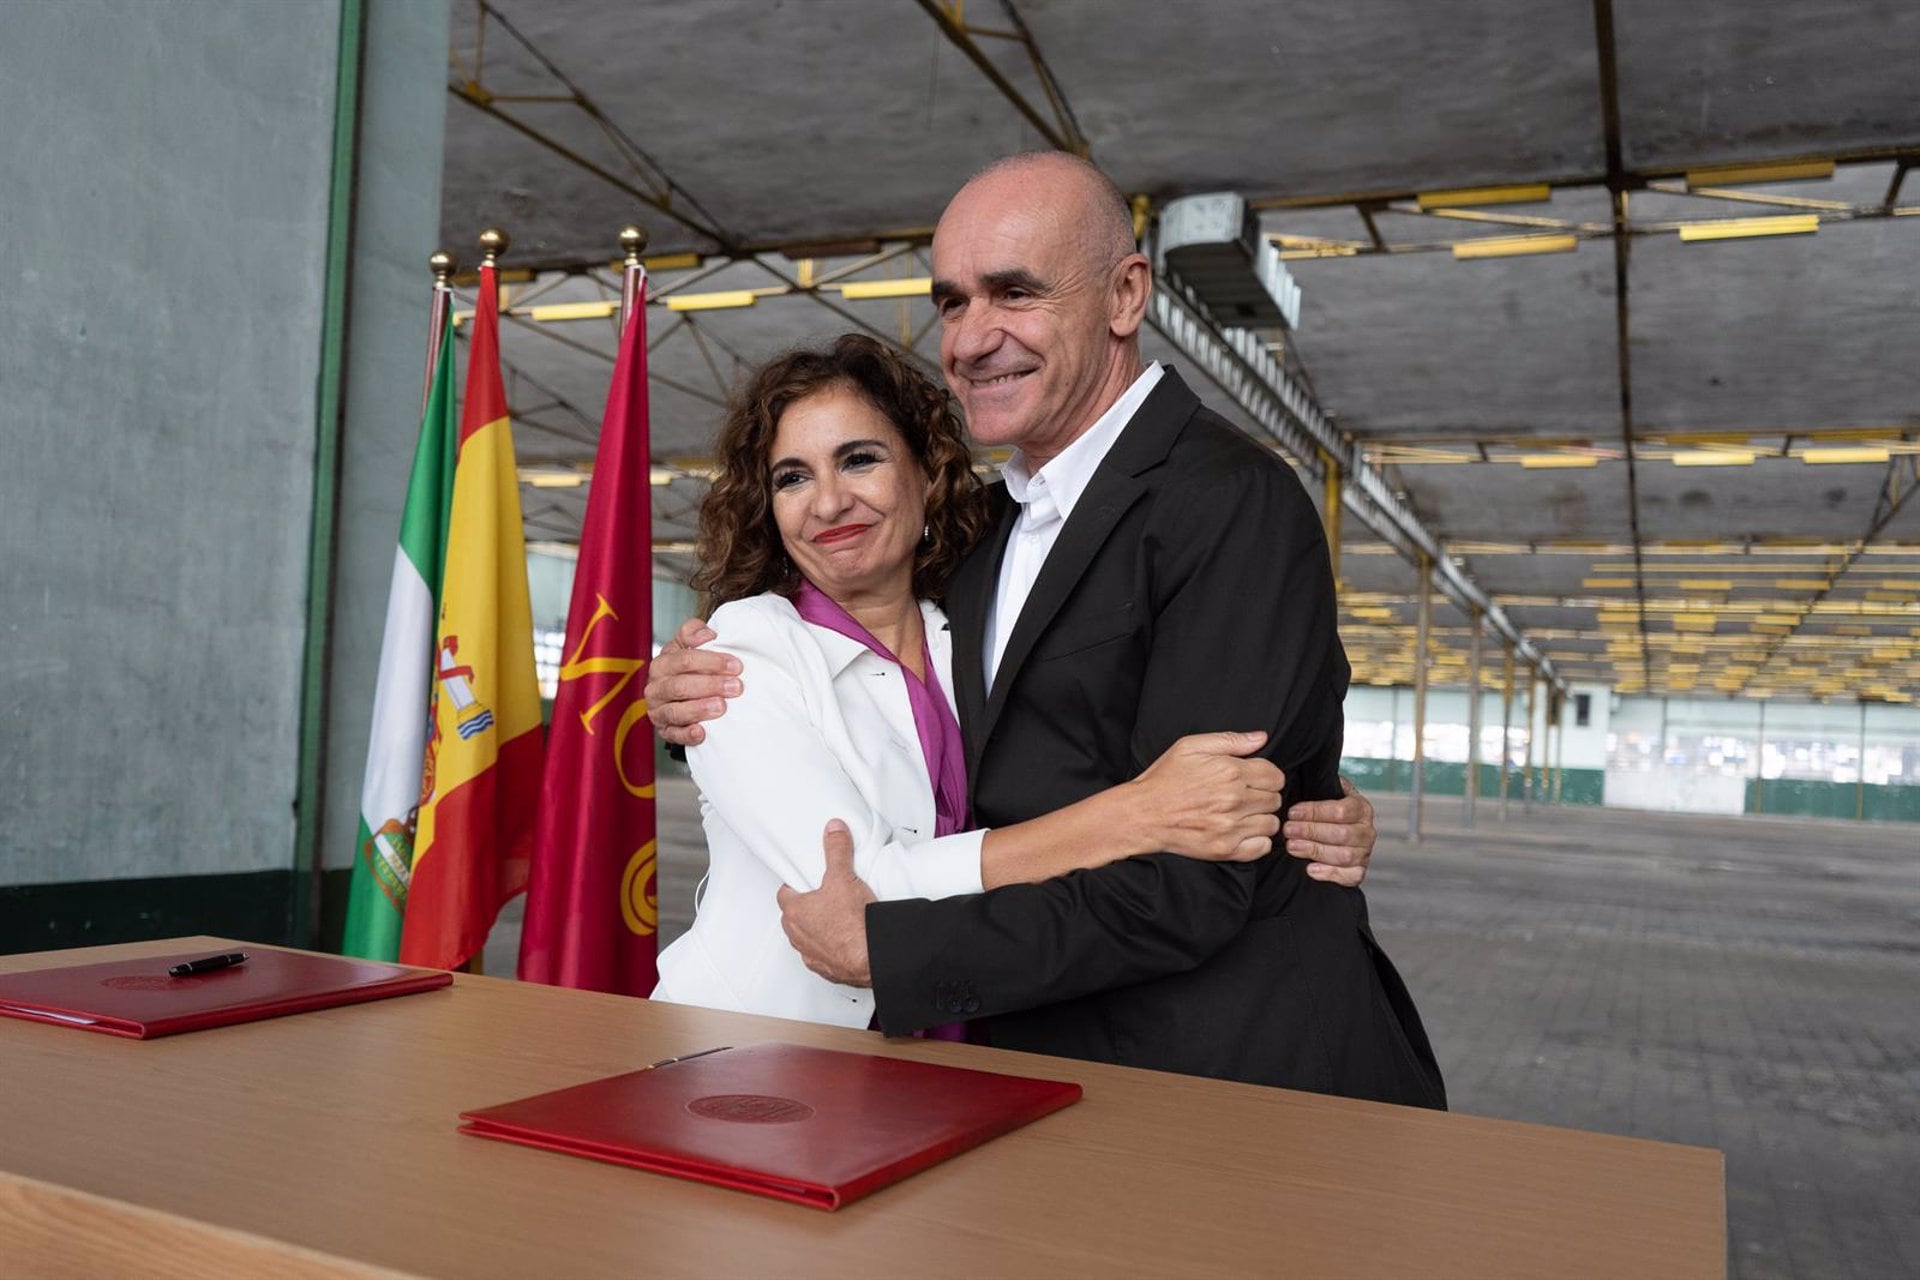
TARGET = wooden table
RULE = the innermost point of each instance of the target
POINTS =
(325, 1145)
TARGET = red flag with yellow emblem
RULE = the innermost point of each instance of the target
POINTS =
(592, 901)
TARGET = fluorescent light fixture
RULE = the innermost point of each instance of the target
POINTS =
(574, 310)
(553, 479)
(916, 287)
(1847, 453)
(1514, 246)
(1552, 461)
(1713, 458)
(1526, 193)
(1606, 582)
(1794, 224)
(668, 262)
(1371, 611)
(1706, 584)
(1741, 175)
(712, 301)
(659, 476)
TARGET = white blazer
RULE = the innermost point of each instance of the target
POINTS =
(822, 730)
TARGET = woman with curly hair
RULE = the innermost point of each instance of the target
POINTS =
(845, 498)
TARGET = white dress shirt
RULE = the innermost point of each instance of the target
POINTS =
(823, 729)
(1046, 499)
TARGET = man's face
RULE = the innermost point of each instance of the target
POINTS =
(1025, 341)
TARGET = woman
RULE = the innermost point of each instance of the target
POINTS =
(846, 497)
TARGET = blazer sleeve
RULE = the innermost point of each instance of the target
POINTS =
(1244, 638)
(770, 773)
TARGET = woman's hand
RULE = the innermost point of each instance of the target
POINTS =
(1202, 799)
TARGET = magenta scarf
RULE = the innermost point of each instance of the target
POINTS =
(940, 743)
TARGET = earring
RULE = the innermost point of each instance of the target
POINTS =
(926, 535)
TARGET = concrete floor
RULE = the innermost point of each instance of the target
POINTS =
(1751, 984)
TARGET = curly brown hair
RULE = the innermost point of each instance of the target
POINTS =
(740, 549)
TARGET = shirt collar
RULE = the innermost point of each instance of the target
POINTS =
(842, 651)
(1066, 476)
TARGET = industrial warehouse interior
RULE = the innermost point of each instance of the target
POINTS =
(1591, 329)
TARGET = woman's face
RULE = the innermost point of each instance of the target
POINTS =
(848, 495)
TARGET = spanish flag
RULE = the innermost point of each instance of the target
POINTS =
(480, 786)
(593, 904)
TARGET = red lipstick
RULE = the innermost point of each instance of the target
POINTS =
(839, 533)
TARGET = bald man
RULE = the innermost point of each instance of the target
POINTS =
(1150, 572)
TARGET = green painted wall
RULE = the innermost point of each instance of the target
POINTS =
(1804, 797)
(1784, 796)
(1449, 778)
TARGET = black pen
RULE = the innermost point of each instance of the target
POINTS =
(208, 965)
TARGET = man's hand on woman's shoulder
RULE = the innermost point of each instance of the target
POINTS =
(686, 684)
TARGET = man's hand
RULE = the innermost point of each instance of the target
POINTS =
(828, 927)
(686, 685)
(1335, 836)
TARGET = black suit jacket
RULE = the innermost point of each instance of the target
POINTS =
(1190, 591)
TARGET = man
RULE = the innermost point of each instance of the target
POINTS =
(1150, 572)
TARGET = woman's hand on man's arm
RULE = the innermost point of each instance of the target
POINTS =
(1335, 836)
(1207, 797)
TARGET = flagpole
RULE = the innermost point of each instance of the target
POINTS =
(633, 293)
(633, 242)
(493, 243)
(443, 265)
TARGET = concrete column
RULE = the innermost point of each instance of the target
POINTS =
(1420, 702)
(165, 257)
(1533, 732)
(1473, 722)
(1506, 727)
(1860, 786)
(1558, 709)
(1330, 513)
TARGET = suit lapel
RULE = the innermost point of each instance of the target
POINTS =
(1107, 498)
(1142, 445)
(940, 649)
(969, 600)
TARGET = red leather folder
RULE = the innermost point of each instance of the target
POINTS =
(813, 1126)
(136, 998)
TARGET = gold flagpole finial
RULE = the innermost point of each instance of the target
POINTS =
(633, 242)
(493, 243)
(443, 265)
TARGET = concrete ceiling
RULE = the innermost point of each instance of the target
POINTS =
(789, 143)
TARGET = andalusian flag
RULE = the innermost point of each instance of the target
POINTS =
(592, 904)
(390, 793)
(480, 786)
